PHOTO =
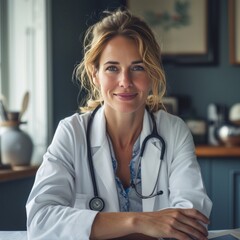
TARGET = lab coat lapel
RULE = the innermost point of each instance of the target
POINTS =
(150, 163)
(102, 161)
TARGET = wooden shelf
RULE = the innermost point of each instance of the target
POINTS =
(17, 172)
(202, 151)
(217, 151)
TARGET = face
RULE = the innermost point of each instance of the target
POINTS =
(122, 76)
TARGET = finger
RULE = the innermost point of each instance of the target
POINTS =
(180, 232)
(194, 224)
(193, 213)
(187, 221)
(195, 230)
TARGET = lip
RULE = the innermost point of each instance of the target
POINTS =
(125, 96)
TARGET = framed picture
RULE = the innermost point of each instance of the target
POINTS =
(186, 30)
(234, 31)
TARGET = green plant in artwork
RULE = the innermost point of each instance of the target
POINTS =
(180, 17)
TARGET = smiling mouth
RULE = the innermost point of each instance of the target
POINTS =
(125, 96)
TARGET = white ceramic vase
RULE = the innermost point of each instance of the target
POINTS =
(16, 145)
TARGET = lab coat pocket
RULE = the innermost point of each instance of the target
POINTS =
(82, 201)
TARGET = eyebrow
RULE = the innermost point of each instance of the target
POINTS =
(111, 62)
(137, 62)
(115, 62)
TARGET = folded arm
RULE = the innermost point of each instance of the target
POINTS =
(183, 224)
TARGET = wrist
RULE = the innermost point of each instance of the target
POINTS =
(134, 222)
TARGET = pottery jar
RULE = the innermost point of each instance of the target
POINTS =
(16, 145)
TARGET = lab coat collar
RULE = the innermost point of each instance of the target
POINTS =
(103, 163)
(98, 130)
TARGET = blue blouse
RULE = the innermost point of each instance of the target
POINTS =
(128, 200)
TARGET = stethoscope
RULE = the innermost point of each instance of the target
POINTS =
(97, 203)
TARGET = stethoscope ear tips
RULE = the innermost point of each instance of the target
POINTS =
(160, 192)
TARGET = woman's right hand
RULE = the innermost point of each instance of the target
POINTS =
(182, 224)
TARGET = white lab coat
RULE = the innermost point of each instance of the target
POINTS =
(58, 208)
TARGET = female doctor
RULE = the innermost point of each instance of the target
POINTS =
(125, 168)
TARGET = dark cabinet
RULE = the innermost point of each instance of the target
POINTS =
(13, 197)
(222, 180)
(15, 186)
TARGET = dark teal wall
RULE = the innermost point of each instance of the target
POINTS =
(68, 22)
(203, 84)
(70, 19)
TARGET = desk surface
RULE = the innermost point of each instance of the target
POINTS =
(22, 235)
(13, 235)
(217, 233)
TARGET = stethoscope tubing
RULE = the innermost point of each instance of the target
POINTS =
(90, 161)
(97, 203)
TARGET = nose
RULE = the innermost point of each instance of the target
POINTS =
(125, 80)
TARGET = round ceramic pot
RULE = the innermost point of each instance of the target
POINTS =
(16, 145)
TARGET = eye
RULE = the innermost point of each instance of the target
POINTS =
(111, 68)
(137, 68)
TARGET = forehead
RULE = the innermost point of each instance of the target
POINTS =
(120, 47)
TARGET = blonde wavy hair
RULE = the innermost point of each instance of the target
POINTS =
(120, 22)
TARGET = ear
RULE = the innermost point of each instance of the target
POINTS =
(95, 76)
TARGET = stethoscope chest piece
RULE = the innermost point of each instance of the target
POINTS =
(96, 204)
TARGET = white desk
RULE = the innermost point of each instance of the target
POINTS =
(13, 235)
(217, 233)
(22, 235)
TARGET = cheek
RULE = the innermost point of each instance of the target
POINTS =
(144, 85)
(106, 82)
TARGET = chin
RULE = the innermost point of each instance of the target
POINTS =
(129, 109)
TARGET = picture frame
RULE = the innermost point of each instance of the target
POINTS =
(192, 14)
(234, 31)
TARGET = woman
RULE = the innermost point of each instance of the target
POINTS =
(157, 193)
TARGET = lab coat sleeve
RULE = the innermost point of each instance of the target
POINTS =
(186, 186)
(50, 206)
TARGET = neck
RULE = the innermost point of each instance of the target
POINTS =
(124, 129)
